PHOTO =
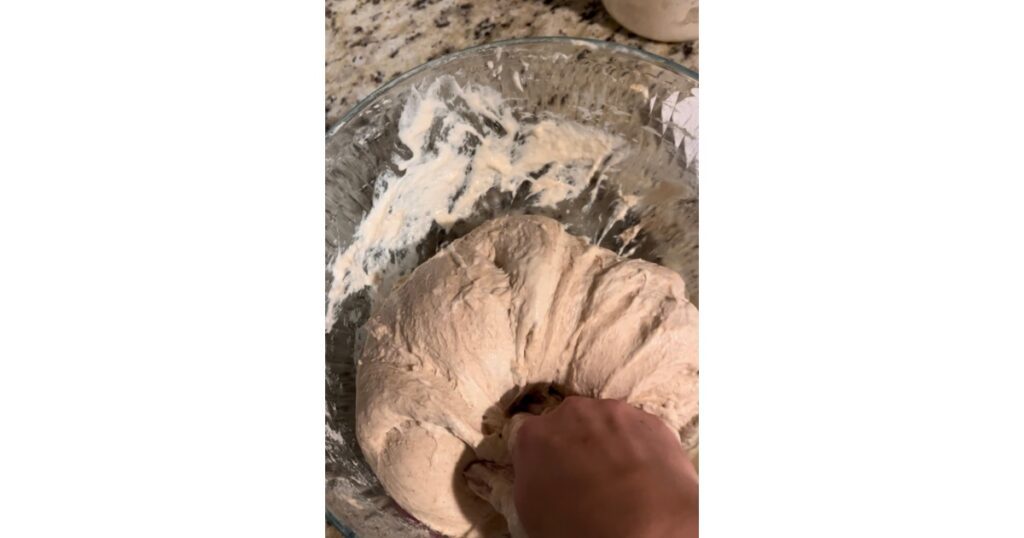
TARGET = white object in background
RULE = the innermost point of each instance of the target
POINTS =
(660, 20)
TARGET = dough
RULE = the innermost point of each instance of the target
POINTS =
(517, 307)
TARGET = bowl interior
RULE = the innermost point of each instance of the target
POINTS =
(637, 195)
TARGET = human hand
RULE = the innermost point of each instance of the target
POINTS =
(602, 468)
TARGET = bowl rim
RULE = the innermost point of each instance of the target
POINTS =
(585, 41)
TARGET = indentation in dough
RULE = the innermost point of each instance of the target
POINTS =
(509, 320)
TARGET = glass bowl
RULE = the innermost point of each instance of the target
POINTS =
(641, 200)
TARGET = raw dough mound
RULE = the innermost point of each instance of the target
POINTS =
(515, 305)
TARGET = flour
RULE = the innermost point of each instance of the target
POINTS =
(462, 142)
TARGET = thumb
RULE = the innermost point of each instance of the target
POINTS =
(495, 484)
(512, 429)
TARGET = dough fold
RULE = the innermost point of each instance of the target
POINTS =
(518, 305)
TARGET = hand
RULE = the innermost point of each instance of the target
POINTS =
(602, 468)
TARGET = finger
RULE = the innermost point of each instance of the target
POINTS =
(489, 481)
(573, 403)
(513, 430)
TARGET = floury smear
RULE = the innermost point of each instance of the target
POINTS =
(461, 143)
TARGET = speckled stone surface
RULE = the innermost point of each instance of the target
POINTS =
(369, 42)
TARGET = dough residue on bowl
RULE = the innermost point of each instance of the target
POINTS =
(461, 142)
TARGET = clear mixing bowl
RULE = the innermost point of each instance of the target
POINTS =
(645, 100)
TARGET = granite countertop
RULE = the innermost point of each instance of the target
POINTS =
(369, 42)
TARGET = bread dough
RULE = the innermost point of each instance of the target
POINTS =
(516, 305)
